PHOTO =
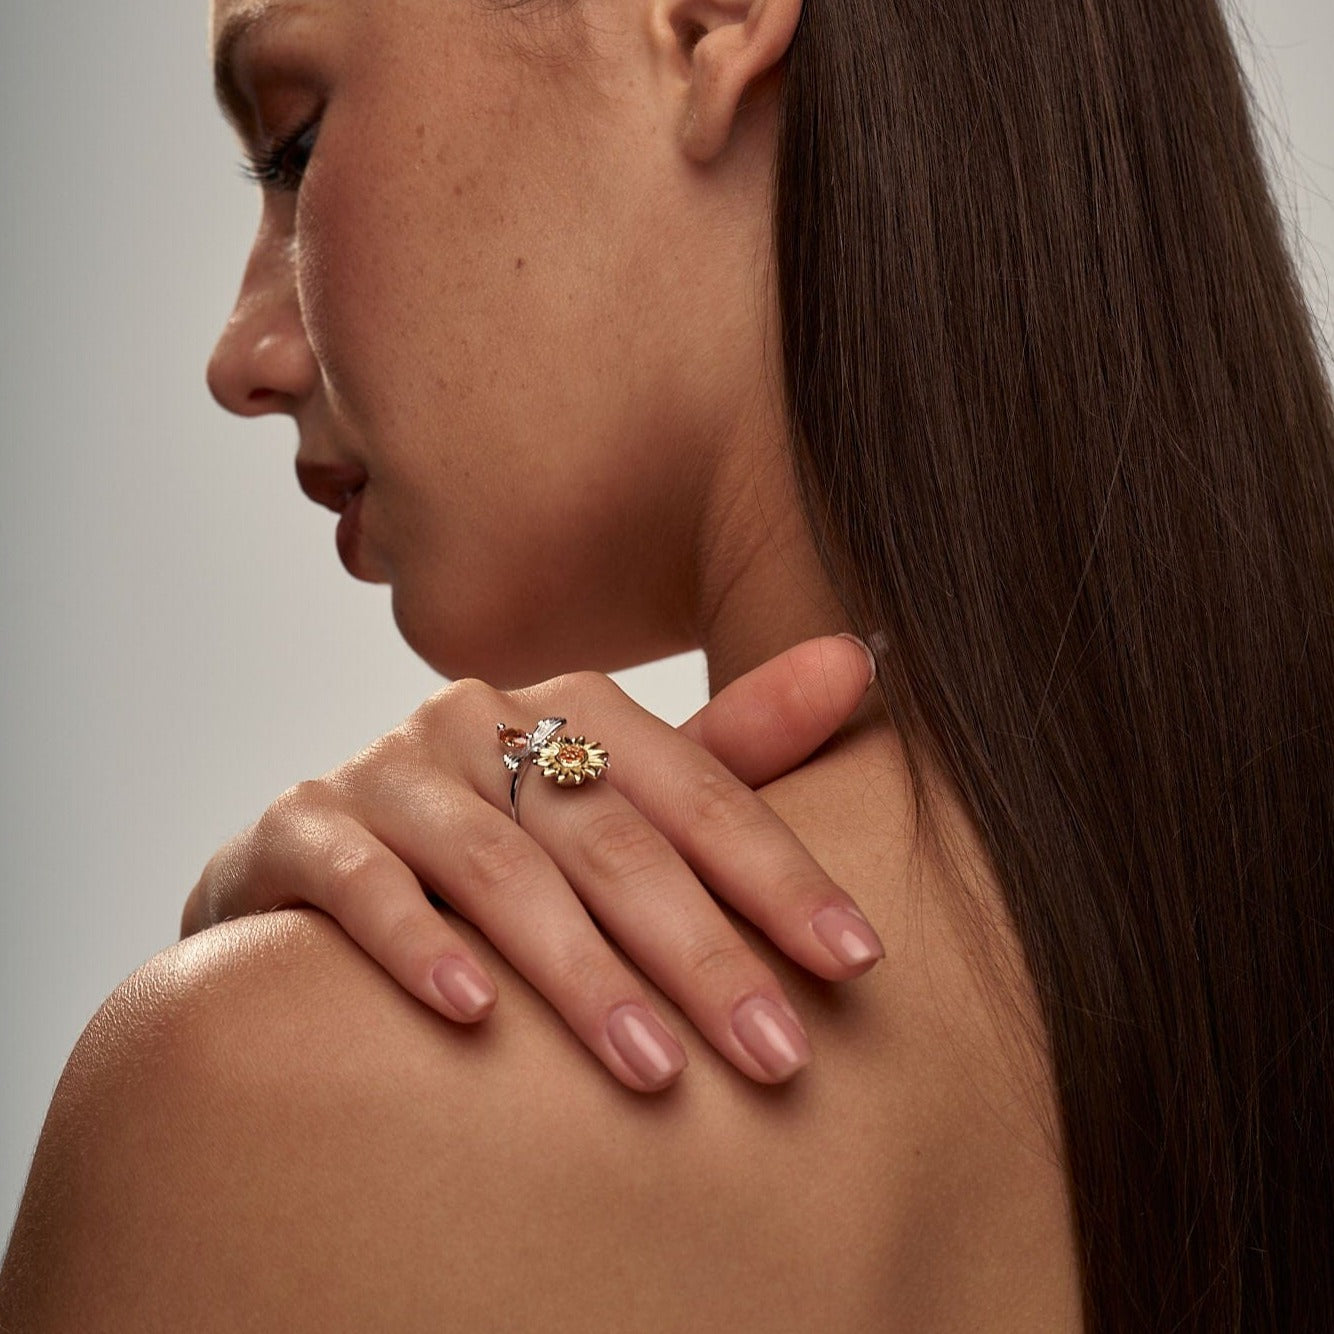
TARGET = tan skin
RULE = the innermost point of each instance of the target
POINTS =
(543, 299)
(500, 276)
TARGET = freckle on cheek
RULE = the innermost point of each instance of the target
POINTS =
(518, 263)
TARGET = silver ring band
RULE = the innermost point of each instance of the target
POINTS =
(568, 761)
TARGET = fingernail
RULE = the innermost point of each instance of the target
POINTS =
(467, 990)
(772, 1037)
(848, 937)
(645, 1045)
(861, 644)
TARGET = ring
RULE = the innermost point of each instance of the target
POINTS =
(569, 761)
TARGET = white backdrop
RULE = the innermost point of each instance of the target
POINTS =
(179, 642)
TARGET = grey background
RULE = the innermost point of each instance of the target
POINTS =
(179, 642)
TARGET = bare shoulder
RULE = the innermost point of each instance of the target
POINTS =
(260, 1129)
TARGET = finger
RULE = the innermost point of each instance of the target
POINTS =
(406, 821)
(771, 719)
(494, 874)
(515, 885)
(299, 854)
(648, 900)
(730, 837)
(377, 899)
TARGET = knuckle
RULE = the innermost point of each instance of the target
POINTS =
(620, 843)
(292, 812)
(494, 859)
(374, 772)
(587, 684)
(468, 696)
(393, 748)
(722, 806)
(405, 941)
(799, 882)
(587, 973)
(351, 872)
(307, 795)
(470, 693)
(463, 687)
(425, 730)
(583, 685)
(721, 957)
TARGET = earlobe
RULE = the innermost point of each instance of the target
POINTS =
(726, 46)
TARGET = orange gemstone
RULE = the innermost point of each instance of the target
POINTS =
(512, 739)
(571, 755)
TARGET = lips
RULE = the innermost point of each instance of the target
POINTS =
(331, 485)
(348, 536)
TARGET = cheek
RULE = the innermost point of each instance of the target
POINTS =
(355, 302)
(470, 323)
(459, 318)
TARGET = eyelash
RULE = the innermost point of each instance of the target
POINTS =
(269, 167)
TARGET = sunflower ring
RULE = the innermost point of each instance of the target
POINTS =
(569, 761)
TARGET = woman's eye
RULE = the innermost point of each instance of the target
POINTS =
(282, 164)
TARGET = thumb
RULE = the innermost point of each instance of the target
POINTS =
(778, 714)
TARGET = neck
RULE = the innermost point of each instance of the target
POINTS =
(760, 586)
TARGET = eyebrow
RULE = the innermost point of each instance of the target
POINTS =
(239, 26)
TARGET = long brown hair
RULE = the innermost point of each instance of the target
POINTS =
(1066, 444)
(1065, 439)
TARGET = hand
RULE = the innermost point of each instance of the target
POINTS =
(428, 805)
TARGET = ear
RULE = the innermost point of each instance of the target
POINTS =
(724, 46)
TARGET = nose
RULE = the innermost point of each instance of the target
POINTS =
(263, 361)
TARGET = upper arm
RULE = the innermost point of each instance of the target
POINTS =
(260, 1130)
(142, 1164)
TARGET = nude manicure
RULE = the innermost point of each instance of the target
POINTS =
(645, 1045)
(462, 985)
(771, 1036)
(848, 937)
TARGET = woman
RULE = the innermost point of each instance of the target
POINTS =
(970, 327)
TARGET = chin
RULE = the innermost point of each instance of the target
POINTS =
(504, 656)
(512, 656)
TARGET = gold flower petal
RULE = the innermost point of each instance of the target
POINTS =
(571, 760)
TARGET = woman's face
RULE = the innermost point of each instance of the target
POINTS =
(496, 283)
